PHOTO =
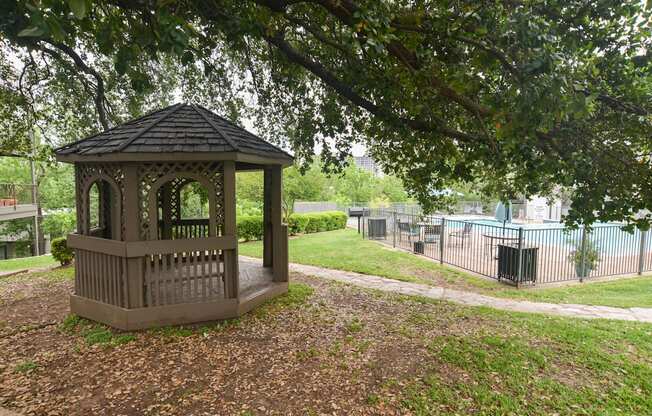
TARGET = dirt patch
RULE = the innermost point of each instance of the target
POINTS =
(32, 300)
(344, 351)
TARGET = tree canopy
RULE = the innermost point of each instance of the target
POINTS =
(520, 95)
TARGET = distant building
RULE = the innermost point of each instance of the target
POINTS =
(368, 163)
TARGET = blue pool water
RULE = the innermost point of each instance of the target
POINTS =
(608, 238)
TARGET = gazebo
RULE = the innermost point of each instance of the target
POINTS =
(139, 263)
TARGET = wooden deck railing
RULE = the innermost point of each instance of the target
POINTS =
(101, 277)
(168, 272)
(188, 228)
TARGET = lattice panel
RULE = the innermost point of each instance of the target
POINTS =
(149, 173)
(85, 173)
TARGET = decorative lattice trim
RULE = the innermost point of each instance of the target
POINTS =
(85, 175)
(150, 173)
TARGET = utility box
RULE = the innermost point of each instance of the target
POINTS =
(508, 259)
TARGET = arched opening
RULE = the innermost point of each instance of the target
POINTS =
(183, 210)
(94, 217)
(102, 210)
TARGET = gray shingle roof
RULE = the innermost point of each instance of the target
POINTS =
(179, 128)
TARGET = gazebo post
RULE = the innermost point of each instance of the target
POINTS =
(267, 215)
(133, 270)
(279, 232)
(231, 273)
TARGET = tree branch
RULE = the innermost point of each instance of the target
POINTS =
(100, 97)
(344, 10)
(347, 91)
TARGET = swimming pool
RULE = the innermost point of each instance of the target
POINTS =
(607, 238)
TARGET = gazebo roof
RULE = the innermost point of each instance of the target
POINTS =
(179, 130)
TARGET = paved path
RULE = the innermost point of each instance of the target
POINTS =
(475, 299)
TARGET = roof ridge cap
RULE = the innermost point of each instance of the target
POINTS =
(222, 133)
(147, 128)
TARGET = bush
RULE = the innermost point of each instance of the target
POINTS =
(297, 224)
(316, 222)
(61, 252)
(250, 227)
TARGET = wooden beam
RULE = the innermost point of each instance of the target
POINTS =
(279, 233)
(267, 222)
(143, 248)
(134, 272)
(231, 272)
(100, 245)
(177, 156)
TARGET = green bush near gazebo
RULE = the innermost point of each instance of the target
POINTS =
(250, 227)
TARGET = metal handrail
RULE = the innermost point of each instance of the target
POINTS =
(14, 194)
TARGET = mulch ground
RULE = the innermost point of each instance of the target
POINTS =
(336, 353)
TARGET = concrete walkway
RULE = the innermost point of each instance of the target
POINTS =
(475, 299)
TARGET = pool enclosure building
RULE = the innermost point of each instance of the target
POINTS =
(139, 261)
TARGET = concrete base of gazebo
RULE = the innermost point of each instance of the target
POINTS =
(256, 287)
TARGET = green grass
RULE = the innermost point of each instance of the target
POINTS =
(26, 367)
(536, 365)
(624, 293)
(94, 334)
(346, 250)
(27, 263)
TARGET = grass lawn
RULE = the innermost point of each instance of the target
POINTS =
(325, 348)
(346, 250)
(27, 263)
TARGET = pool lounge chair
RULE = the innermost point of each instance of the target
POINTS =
(432, 233)
(410, 230)
(461, 235)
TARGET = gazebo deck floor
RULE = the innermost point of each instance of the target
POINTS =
(190, 288)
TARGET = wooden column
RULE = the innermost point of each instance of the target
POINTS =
(279, 231)
(134, 266)
(231, 273)
(267, 215)
(166, 211)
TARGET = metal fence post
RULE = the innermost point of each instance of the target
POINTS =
(582, 254)
(641, 252)
(394, 228)
(441, 240)
(519, 271)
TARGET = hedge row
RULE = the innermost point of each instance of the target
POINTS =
(250, 227)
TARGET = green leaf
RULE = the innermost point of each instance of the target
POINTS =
(32, 32)
(78, 8)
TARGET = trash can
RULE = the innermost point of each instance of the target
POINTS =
(377, 228)
(508, 263)
(419, 247)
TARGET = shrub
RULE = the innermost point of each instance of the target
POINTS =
(61, 252)
(316, 222)
(250, 227)
(297, 224)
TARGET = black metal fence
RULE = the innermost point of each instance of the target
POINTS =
(530, 253)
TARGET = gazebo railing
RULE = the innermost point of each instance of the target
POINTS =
(183, 277)
(101, 277)
(166, 272)
(188, 228)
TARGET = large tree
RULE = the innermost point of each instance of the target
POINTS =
(520, 95)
